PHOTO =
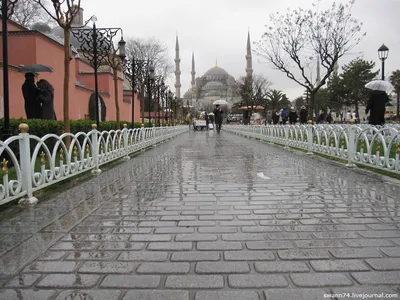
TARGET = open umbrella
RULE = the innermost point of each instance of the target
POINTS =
(220, 102)
(380, 85)
(36, 68)
(258, 107)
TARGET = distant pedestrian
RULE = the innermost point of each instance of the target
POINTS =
(292, 116)
(284, 115)
(218, 117)
(276, 116)
(46, 98)
(207, 119)
(269, 117)
(377, 107)
(303, 115)
(30, 93)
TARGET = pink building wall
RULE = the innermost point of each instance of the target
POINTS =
(27, 47)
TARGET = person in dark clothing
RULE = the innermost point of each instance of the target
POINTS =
(377, 106)
(207, 119)
(284, 115)
(292, 116)
(30, 93)
(303, 115)
(46, 98)
(329, 118)
(218, 117)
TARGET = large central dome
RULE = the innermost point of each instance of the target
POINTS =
(216, 71)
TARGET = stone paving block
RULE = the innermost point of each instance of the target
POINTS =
(75, 246)
(107, 237)
(195, 256)
(320, 279)
(52, 255)
(132, 230)
(257, 229)
(227, 295)
(157, 295)
(336, 235)
(246, 255)
(107, 267)
(217, 229)
(257, 281)
(281, 267)
(391, 251)
(143, 256)
(237, 223)
(355, 253)
(175, 230)
(23, 280)
(157, 224)
(318, 243)
(131, 281)
(150, 238)
(57, 281)
(244, 237)
(215, 218)
(298, 294)
(194, 281)
(376, 278)
(92, 255)
(178, 218)
(300, 254)
(196, 223)
(89, 294)
(8, 294)
(195, 237)
(353, 292)
(121, 246)
(338, 265)
(219, 246)
(222, 267)
(269, 245)
(170, 246)
(384, 264)
(290, 236)
(368, 243)
(163, 268)
(51, 267)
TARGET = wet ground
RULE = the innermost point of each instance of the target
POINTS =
(204, 217)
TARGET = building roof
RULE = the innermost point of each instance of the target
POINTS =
(216, 71)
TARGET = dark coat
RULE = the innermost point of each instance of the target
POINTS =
(303, 116)
(377, 106)
(218, 115)
(275, 117)
(292, 116)
(46, 97)
(32, 104)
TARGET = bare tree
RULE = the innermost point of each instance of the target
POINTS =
(253, 92)
(295, 39)
(27, 13)
(152, 50)
(63, 14)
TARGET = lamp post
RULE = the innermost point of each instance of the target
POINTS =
(7, 9)
(96, 45)
(159, 87)
(169, 107)
(383, 53)
(150, 79)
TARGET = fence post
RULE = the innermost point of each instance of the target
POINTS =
(125, 135)
(154, 136)
(286, 130)
(142, 133)
(310, 137)
(351, 144)
(26, 167)
(95, 150)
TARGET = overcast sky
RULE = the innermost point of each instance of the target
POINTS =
(217, 29)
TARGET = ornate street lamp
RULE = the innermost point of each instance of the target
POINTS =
(96, 44)
(383, 53)
(7, 9)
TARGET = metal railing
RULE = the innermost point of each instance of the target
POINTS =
(374, 146)
(36, 163)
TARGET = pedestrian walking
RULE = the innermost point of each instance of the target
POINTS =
(303, 115)
(33, 109)
(46, 98)
(269, 117)
(292, 116)
(218, 117)
(207, 119)
(284, 115)
(377, 107)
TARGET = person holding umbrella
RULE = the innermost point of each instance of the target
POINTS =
(30, 93)
(377, 101)
(218, 117)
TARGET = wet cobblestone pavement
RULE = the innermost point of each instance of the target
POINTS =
(205, 217)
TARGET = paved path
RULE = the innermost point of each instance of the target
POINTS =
(206, 217)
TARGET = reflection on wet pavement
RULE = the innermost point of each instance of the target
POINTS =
(190, 219)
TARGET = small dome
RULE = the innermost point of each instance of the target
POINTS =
(188, 94)
(42, 27)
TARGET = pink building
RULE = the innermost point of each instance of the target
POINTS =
(45, 47)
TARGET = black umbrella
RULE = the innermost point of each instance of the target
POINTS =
(35, 68)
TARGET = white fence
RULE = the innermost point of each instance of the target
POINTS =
(36, 165)
(364, 144)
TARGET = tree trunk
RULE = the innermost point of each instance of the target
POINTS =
(142, 102)
(66, 84)
(357, 114)
(115, 70)
(398, 106)
(311, 106)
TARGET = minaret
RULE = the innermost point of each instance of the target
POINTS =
(193, 72)
(249, 65)
(177, 71)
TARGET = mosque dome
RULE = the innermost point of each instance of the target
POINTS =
(41, 27)
(216, 71)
